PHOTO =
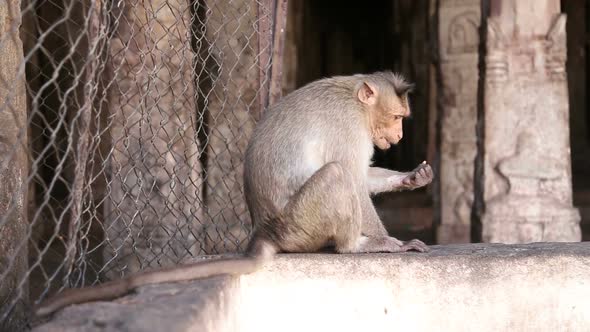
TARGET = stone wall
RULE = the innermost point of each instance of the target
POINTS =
(232, 103)
(154, 216)
(13, 171)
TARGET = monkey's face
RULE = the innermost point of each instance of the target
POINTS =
(386, 113)
(388, 121)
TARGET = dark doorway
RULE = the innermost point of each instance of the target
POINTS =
(335, 37)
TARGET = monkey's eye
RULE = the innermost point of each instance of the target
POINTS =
(397, 117)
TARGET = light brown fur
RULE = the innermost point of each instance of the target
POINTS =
(307, 180)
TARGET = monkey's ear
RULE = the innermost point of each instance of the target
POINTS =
(367, 94)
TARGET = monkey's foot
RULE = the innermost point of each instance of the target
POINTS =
(387, 244)
(419, 177)
(414, 244)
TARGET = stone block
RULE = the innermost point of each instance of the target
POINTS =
(463, 287)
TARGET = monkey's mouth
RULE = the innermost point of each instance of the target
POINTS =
(383, 144)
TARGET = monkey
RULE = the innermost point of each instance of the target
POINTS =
(308, 181)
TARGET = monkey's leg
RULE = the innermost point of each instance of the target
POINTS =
(367, 240)
(327, 210)
(372, 228)
(313, 213)
(384, 180)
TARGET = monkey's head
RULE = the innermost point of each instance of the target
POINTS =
(384, 97)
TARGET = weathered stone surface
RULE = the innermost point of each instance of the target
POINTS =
(458, 33)
(153, 216)
(526, 179)
(13, 171)
(207, 305)
(468, 287)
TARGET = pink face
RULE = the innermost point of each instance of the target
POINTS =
(390, 133)
(388, 122)
(386, 113)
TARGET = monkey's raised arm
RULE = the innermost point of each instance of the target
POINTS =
(383, 180)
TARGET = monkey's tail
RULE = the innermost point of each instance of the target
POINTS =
(258, 253)
(106, 291)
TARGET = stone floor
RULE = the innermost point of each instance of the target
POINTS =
(483, 287)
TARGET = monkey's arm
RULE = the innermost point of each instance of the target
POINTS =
(384, 180)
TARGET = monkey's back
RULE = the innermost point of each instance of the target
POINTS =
(314, 125)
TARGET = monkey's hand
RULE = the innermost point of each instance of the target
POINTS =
(419, 177)
(384, 180)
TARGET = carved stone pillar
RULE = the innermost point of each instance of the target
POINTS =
(527, 186)
(458, 53)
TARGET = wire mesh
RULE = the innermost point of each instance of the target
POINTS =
(125, 152)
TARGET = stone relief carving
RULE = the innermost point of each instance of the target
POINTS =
(524, 213)
(459, 38)
(455, 121)
(464, 201)
(526, 165)
(496, 58)
(463, 33)
(527, 195)
(556, 50)
(495, 35)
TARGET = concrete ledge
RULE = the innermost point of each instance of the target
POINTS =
(474, 287)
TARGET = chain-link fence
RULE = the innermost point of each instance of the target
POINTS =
(123, 124)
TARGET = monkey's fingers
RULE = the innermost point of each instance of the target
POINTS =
(415, 244)
(430, 172)
(427, 175)
(420, 166)
(428, 169)
(423, 172)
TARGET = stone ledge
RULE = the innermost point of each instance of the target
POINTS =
(491, 287)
